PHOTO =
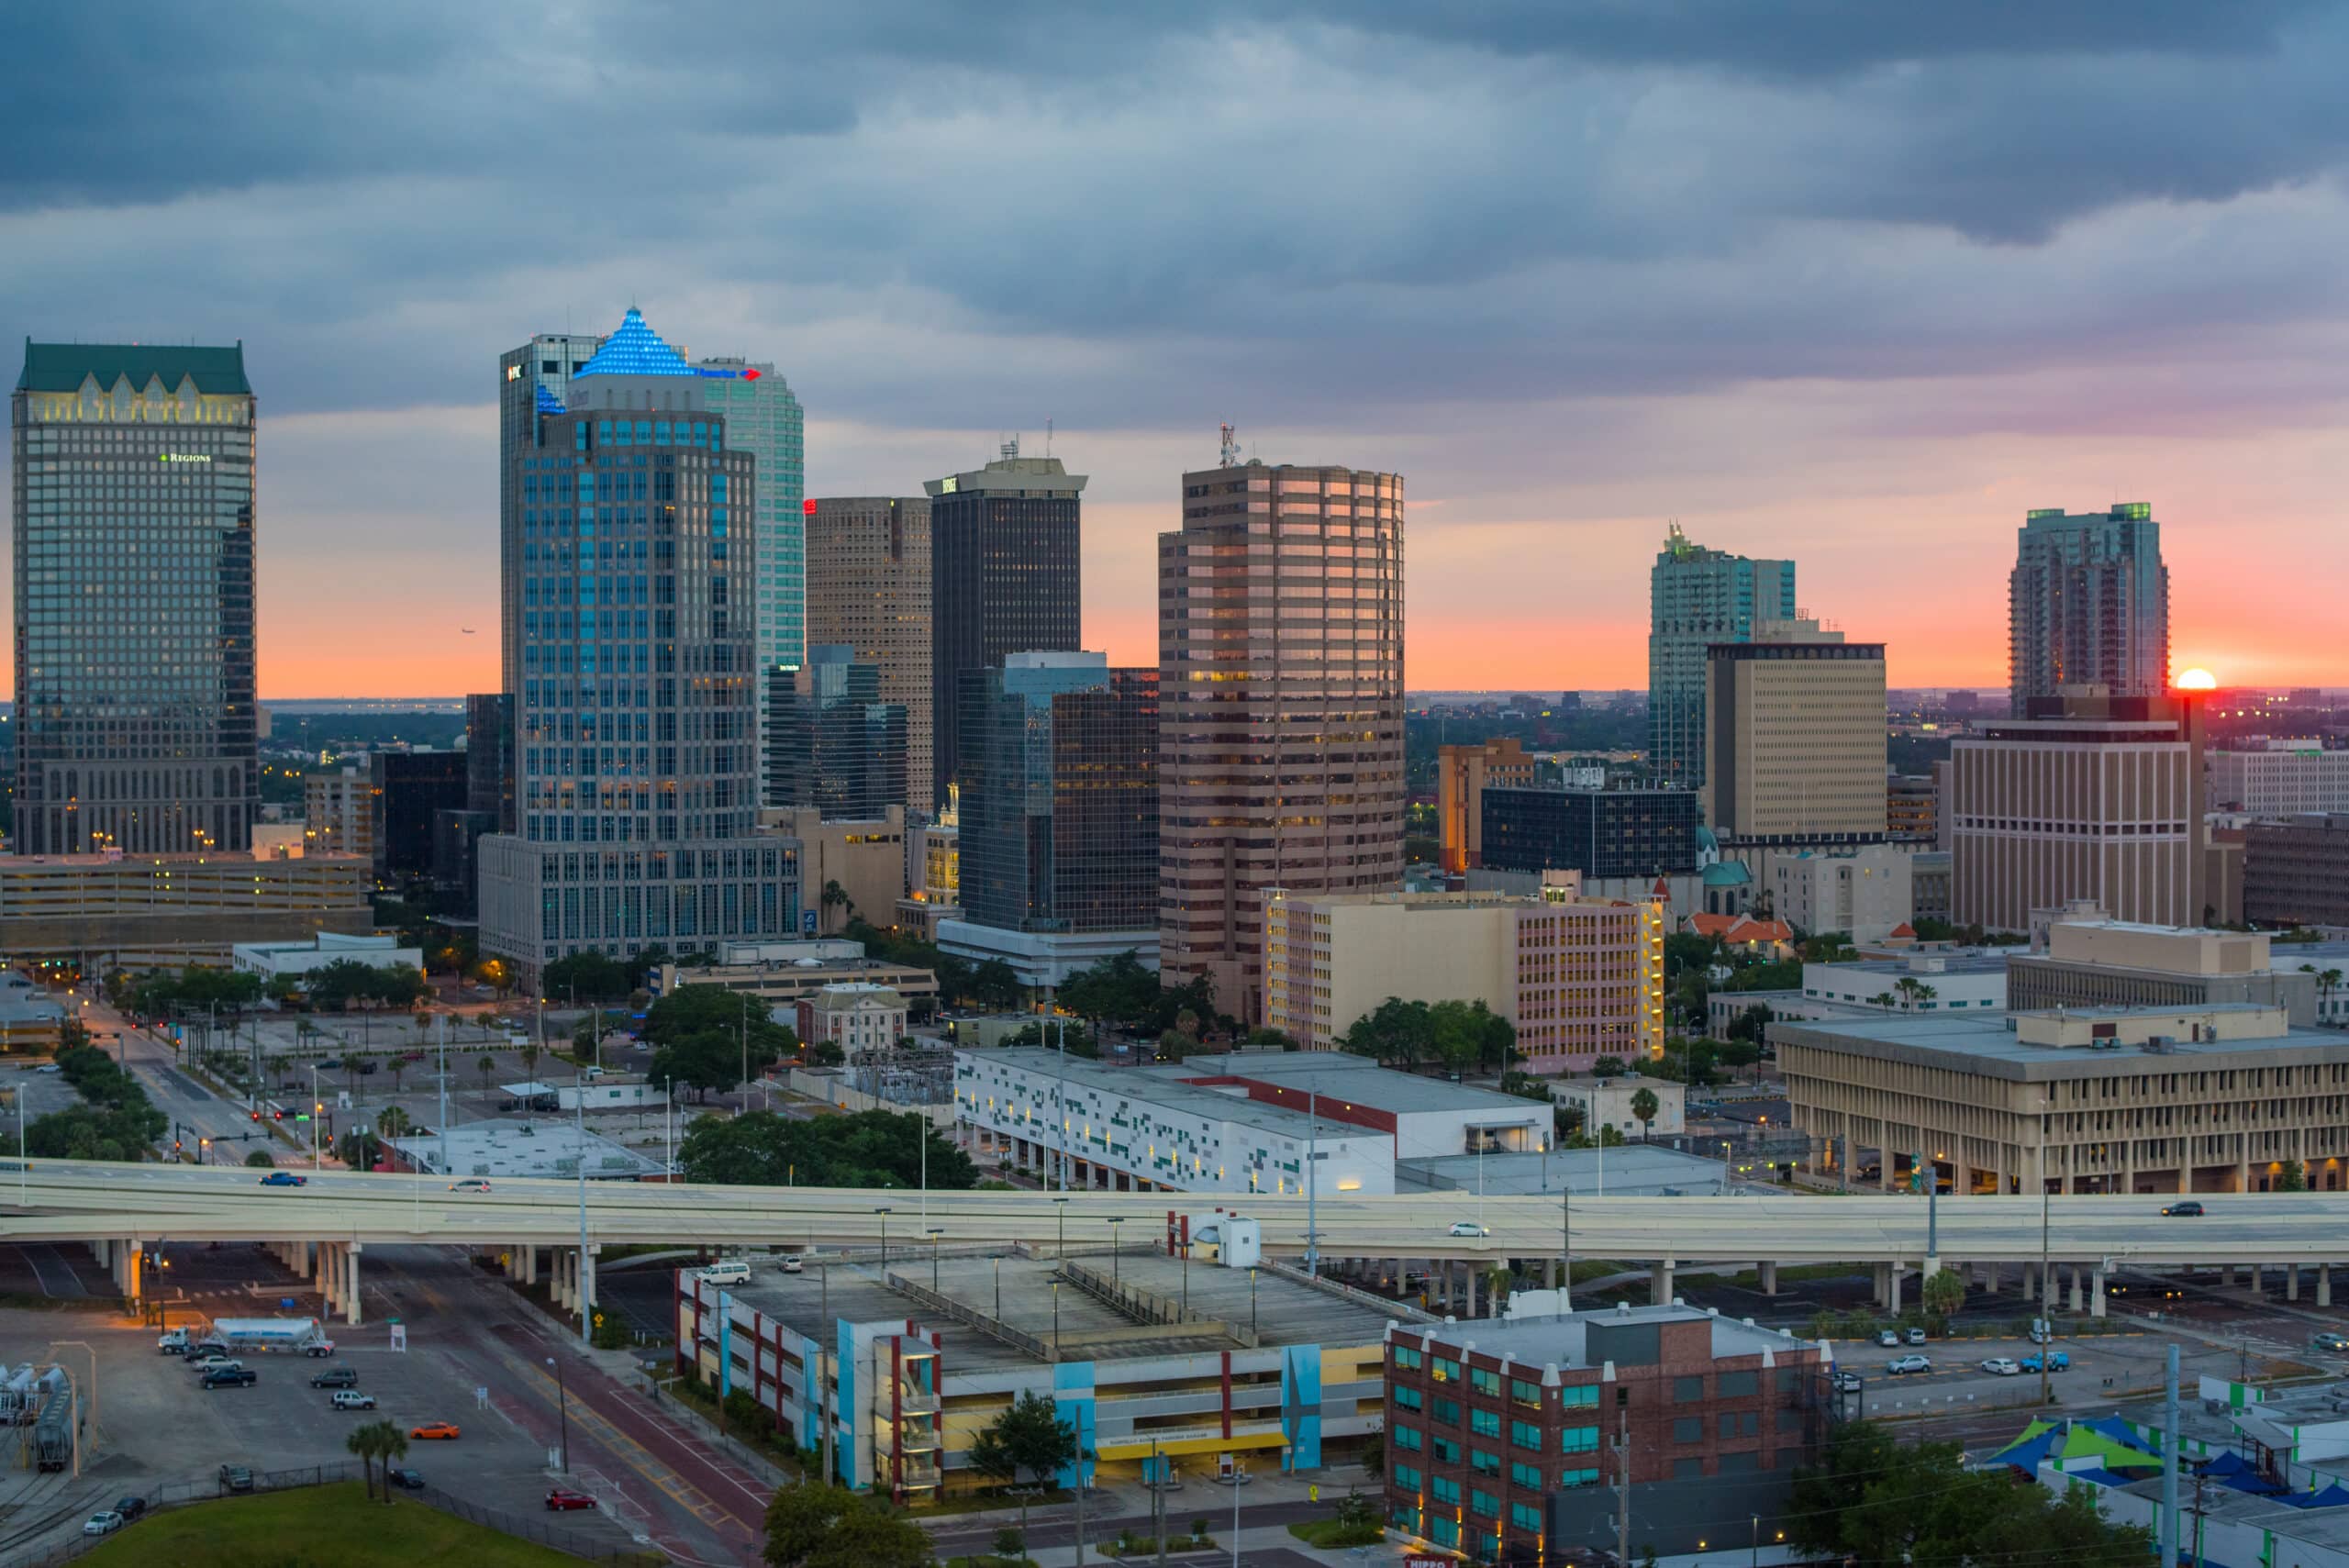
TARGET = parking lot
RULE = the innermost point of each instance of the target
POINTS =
(159, 1425)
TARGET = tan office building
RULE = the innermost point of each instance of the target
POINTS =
(2091, 798)
(1462, 773)
(866, 859)
(2120, 1100)
(339, 813)
(1795, 724)
(868, 586)
(1580, 978)
(1281, 707)
(2091, 962)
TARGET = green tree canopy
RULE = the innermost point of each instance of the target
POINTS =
(813, 1525)
(1872, 1499)
(586, 977)
(869, 1149)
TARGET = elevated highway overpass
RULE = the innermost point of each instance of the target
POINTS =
(126, 1210)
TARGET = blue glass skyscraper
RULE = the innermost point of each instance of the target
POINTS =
(630, 612)
(1698, 598)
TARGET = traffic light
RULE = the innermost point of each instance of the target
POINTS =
(280, 1113)
(256, 1116)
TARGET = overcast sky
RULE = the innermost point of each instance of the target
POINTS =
(1857, 284)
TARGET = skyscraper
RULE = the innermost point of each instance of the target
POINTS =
(2088, 605)
(1698, 598)
(1059, 815)
(1003, 578)
(868, 586)
(636, 712)
(831, 743)
(133, 512)
(1280, 639)
(764, 419)
(531, 379)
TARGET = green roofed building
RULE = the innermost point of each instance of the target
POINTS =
(133, 505)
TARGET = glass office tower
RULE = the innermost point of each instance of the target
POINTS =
(133, 493)
(1698, 598)
(636, 716)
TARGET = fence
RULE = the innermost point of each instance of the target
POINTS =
(970, 1317)
(569, 1542)
(1148, 1306)
(179, 1494)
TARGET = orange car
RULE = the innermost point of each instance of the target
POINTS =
(444, 1430)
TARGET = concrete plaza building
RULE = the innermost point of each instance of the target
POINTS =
(167, 911)
(1864, 891)
(1580, 978)
(2092, 961)
(1697, 599)
(868, 586)
(2296, 870)
(2088, 605)
(1280, 639)
(2201, 1098)
(132, 512)
(628, 619)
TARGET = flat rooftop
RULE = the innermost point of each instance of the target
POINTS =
(1984, 1043)
(1565, 1339)
(547, 1146)
(1635, 1170)
(1174, 1093)
(1286, 1311)
(1341, 1076)
(1923, 967)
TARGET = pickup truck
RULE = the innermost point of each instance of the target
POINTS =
(230, 1377)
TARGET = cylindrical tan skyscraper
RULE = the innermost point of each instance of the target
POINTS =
(1280, 650)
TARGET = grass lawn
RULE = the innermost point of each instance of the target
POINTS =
(333, 1524)
(1328, 1533)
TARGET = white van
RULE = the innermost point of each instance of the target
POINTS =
(733, 1270)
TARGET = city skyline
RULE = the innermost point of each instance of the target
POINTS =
(1578, 276)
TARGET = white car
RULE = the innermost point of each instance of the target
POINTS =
(791, 1264)
(105, 1522)
(470, 1184)
(733, 1270)
(1899, 1364)
(1467, 1228)
(1888, 1338)
(53, 1067)
(2001, 1366)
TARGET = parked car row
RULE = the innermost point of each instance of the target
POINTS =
(106, 1521)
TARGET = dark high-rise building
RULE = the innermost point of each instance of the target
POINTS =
(1059, 839)
(1004, 577)
(133, 481)
(1598, 832)
(2088, 605)
(489, 758)
(409, 788)
(636, 713)
(831, 743)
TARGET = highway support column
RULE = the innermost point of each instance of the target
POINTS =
(1768, 1270)
(2095, 1297)
(351, 1308)
(1660, 1282)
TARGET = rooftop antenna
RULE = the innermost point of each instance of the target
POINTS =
(1011, 448)
(1231, 451)
(1048, 434)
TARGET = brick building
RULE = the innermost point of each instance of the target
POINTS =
(1506, 1440)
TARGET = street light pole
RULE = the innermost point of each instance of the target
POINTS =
(1313, 1183)
(934, 1235)
(562, 1409)
(586, 1305)
(1114, 1222)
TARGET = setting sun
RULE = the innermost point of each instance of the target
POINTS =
(2197, 680)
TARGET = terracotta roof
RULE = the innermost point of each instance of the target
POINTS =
(1740, 928)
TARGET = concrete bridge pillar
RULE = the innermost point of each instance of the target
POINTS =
(2324, 1284)
(1892, 1274)
(1660, 1282)
(2077, 1305)
(351, 1308)
(1769, 1268)
(132, 1257)
(531, 1264)
(1472, 1282)
(558, 1279)
(318, 1272)
(2291, 1282)
(586, 1281)
(331, 1275)
(1550, 1273)
(2096, 1300)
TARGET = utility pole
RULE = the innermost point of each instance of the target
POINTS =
(1313, 1183)
(1623, 1489)
(586, 1303)
(2169, 1457)
(443, 1032)
(1566, 1248)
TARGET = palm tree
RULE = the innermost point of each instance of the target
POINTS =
(392, 1445)
(361, 1441)
(2327, 983)
(1884, 999)
(394, 1122)
(1644, 1106)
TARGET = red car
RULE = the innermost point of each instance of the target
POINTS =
(562, 1502)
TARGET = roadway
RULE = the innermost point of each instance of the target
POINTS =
(67, 1200)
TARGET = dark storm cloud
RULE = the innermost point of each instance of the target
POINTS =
(1364, 202)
